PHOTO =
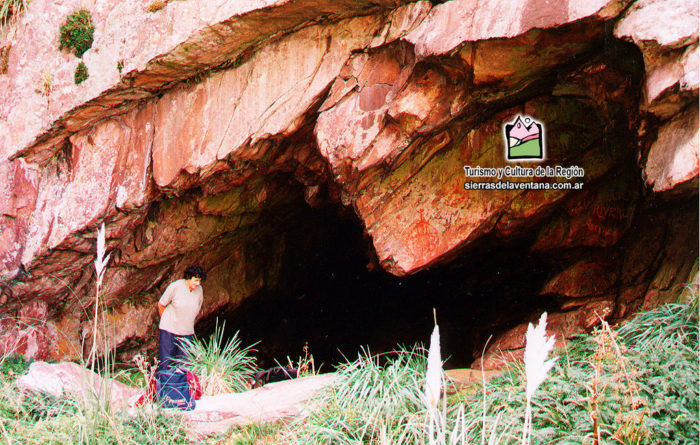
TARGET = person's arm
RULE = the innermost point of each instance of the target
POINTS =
(165, 299)
(201, 299)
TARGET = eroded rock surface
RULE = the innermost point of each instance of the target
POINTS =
(67, 379)
(204, 125)
(271, 403)
(667, 34)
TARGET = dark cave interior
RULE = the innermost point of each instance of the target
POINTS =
(328, 299)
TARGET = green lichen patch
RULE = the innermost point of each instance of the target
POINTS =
(81, 73)
(77, 32)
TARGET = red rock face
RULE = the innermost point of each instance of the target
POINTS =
(669, 47)
(510, 345)
(673, 158)
(18, 192)
(225, 115)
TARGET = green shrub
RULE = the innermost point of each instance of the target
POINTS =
(77, 32)
(12, 367)
(221, 367)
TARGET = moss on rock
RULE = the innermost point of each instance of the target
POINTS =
(81, 73)
(77, 32)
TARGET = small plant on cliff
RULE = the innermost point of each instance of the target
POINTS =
(156, 6)
(4, 58)
(81, 73)
(77, 32)
(222, 367)
(195, 79)
(46, 84)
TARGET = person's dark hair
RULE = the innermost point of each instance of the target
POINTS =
(195, 270)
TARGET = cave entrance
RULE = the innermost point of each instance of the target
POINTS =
(328, 299)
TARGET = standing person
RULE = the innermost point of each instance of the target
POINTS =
(178, 308)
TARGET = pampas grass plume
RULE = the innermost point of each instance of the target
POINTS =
(100, 267)
(537, 348)
(101, 260)
(433, 376)
(433, 383)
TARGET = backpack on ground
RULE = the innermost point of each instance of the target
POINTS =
(173, 390)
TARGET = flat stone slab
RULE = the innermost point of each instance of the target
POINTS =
(275, 401)
(70, 379)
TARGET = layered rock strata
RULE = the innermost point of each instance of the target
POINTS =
(203, 124)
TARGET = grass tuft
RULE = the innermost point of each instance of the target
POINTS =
(222, 367)
(638, 384)
(270, 433)
(372, 402)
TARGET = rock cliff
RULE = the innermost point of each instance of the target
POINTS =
(202, 124)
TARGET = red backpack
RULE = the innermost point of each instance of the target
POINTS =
(192, 382)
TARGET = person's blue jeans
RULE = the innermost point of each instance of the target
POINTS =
(170, 346)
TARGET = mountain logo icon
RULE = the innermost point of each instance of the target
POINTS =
(524, 139)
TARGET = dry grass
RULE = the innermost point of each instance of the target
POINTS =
(46, 84)
(156, 6)
(4, 58)
(304, 365)
(10, 10)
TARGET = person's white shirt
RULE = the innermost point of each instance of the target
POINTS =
(182, 306)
